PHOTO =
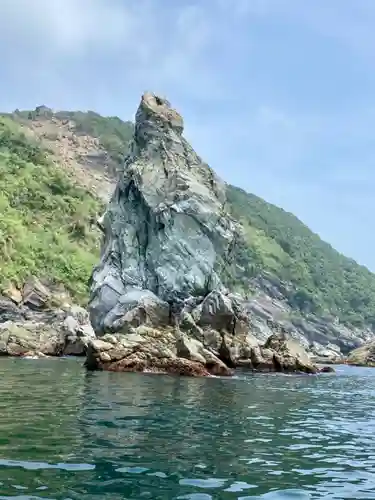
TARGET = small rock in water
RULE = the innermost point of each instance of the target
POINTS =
(327, 369)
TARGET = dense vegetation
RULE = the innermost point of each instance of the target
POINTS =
(45, 220)
(114, 134)
(320, 279)
(44, 229)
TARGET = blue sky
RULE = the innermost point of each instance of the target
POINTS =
(278, 96)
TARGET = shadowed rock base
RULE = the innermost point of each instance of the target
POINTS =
(177, 366)
(40, 321)
(153, 351)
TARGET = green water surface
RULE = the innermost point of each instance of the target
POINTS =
(67, 434)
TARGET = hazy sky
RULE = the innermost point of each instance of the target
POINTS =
(278, 96)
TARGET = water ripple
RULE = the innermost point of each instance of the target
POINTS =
(67, 434)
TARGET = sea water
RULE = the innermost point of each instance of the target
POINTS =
(69, 434)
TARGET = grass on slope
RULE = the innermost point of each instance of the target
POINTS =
(324, 281)
(44, 218)
(114, 134)
(318, 279)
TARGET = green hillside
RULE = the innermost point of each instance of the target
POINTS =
(114, 134)
(45, 228)
(322, 280)
(45, 219)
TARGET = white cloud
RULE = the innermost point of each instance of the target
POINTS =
(150, 46)
(67, 26)
(228, 66)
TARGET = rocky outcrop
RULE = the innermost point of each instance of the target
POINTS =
(157, 299)
(363, 356)
(166, 351)
(78, 153)
(39, 321)
(156, 351)
(288, 355)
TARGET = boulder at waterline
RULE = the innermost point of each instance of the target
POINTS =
(58, 333)
(363, 356)
(279, 354)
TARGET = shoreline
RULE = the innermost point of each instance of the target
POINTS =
(234, 373)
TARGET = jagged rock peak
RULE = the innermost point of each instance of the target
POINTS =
(167, 235)
(156, 112)
(158, 295)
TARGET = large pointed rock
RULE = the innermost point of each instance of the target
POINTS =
(167, 240)
(166, 230)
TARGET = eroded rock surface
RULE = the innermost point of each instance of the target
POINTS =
(156, 351)
(157, 299)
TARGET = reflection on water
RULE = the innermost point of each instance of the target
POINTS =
(68, 434)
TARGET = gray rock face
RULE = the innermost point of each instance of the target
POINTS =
(166, 231)
(55, 333)
(324, 338)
